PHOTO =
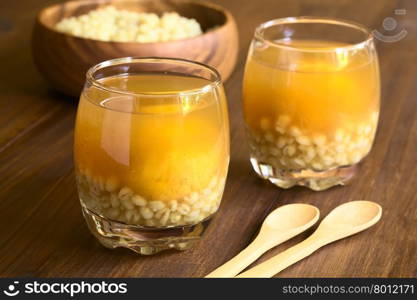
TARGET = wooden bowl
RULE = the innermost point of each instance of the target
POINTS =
(63, 59)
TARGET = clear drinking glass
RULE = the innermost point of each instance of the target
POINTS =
(311, 100)
(151, 152)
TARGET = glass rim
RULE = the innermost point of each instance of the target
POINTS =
(318, 20)
(152, 59)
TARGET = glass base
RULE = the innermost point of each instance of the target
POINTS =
(315, 180)
(143, 240)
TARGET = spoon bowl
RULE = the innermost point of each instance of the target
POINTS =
(283, 217)
(348, 219)
(354, 213)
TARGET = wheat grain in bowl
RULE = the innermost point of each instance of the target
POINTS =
(63, 58)
(119, 25)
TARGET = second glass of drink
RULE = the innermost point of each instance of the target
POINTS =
(311, 100)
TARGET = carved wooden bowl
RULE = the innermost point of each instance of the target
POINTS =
(63, 59)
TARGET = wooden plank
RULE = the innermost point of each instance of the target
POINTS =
(42, 232)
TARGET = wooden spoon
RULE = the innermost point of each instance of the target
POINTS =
(343, 221)
(279, 226)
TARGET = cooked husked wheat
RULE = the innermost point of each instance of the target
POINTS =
(112, 24)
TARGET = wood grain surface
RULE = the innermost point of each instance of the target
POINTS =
(42, 232)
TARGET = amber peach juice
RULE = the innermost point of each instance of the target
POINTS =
(307, 113)
(151, 151)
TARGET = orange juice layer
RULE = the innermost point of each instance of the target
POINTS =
(316, 92)
(163, 147)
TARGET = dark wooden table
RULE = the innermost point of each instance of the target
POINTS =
(42, 231)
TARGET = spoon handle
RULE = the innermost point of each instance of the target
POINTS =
(283, 260)
(240, 261)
